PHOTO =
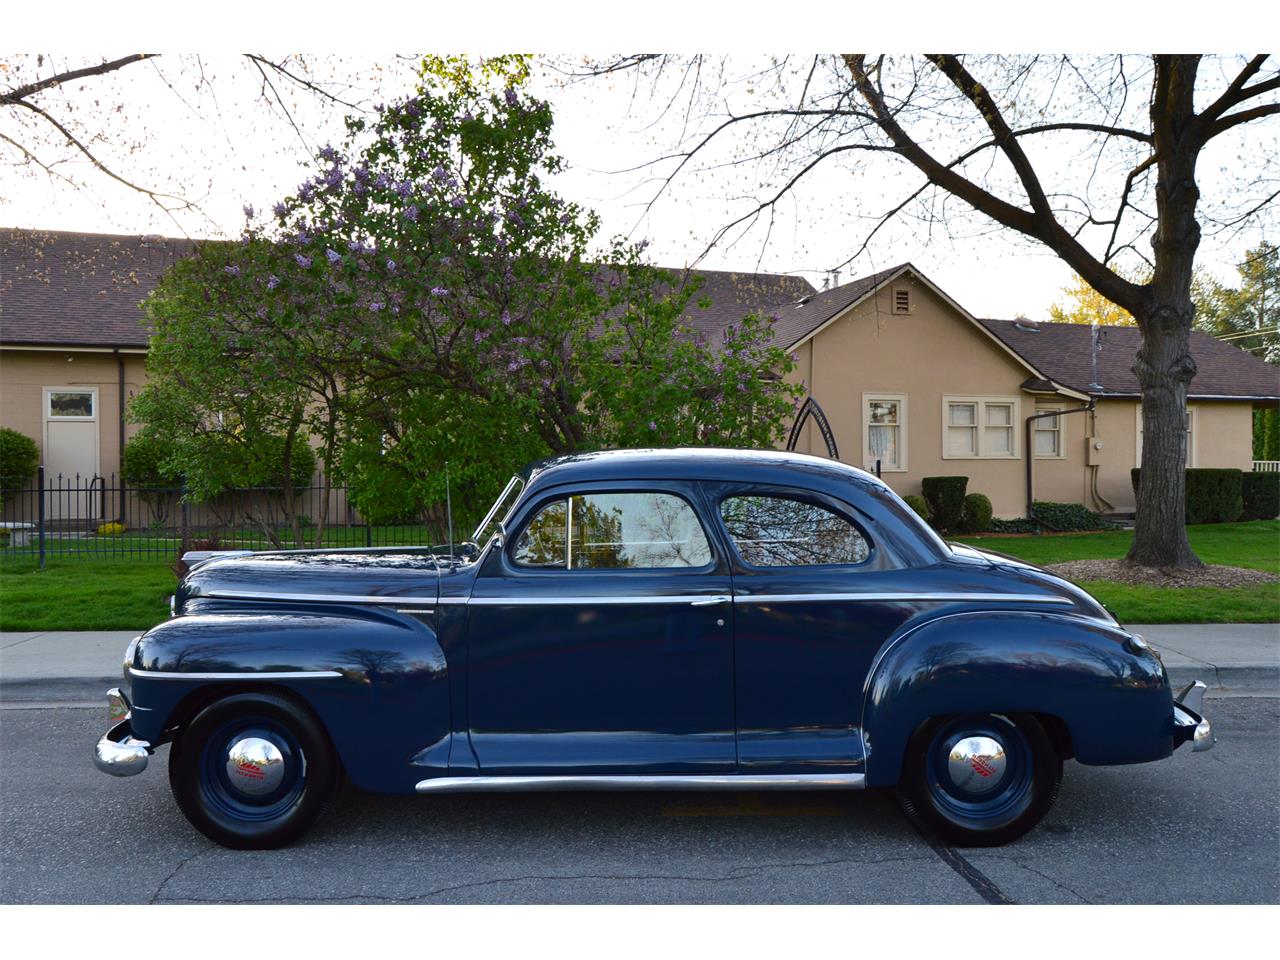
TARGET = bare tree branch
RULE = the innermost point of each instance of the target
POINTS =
(18, 94)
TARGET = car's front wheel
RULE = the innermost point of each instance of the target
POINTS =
(253, 771)
(980, 779)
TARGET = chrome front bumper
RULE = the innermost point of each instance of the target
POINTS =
(1189, 721)
(118, 752)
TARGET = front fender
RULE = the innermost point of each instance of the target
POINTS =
(376, 679)
(1114, 701)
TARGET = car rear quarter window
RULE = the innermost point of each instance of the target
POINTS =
(771, 531)
(610, 531)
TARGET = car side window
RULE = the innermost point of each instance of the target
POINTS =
(772, 531)
(604, 531)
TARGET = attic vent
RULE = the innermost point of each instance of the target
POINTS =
(902, 300)
(1030, 326)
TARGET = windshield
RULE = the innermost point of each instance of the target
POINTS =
(499, 512)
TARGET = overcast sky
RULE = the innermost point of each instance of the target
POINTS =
(217, 141)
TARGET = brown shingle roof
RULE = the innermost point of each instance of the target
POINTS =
(1063, 353)
(79, 289)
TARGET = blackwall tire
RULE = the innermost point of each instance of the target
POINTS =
(957, 786)
(253, 771)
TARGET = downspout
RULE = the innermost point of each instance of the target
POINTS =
(120, 454)
(1029, 452)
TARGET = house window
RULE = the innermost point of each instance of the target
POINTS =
(1191, 437)
(901, 299)
(1048, 433)
(962, 429)
(64, 404)
(884, 431)
(979, 428)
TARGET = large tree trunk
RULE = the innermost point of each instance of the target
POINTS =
(1164, 366)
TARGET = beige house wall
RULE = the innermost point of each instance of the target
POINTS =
(24, 374)
(933, 353)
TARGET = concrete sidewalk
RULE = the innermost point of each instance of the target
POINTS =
(1230, 658)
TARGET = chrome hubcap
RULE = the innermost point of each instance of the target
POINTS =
(255, 766)
(976, 764)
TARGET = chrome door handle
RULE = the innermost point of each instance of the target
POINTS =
(708, 602)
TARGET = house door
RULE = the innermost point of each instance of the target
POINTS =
(71, 453)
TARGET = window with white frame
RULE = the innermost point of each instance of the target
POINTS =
(884, 431)
(1191, 437)
(979, 427)
(1048, 433)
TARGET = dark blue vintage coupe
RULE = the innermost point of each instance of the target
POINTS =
(649, 619)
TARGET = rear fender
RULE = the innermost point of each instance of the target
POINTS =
(1114, 701)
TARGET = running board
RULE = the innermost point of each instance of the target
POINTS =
(732, 781)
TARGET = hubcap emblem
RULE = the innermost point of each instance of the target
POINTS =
(255, 766)
(976, 764)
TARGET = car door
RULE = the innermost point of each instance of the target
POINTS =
(803, 641)
(600, 638)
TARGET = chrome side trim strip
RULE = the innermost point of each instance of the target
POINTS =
(978, 597)
(247, 675)
(770, 781)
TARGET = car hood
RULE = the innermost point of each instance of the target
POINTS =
(405, 574)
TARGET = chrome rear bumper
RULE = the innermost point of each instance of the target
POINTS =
(1189, 721)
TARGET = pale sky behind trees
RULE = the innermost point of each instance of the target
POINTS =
(219, 144)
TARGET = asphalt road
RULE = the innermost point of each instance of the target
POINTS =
(1192, 829)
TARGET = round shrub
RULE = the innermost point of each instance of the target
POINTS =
(945, 496)
(917, 504)
(19, 459)
(143, 466)
(976, 515)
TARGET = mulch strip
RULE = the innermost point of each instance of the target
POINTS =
(1118, 571)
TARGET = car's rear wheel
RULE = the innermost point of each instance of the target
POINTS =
(253, 771)
(980, 779)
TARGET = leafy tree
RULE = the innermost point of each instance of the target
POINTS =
(426, 298)
(1249, 316)
(975, 128)
(1086, 305)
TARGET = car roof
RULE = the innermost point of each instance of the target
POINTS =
(700, 463)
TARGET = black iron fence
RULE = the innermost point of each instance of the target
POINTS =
(97, 516)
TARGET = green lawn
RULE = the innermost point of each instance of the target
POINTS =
(91, 594)
(1255, 544)
(98, 593)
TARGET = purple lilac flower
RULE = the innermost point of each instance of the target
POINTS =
(457, 202)
(376, 305)
(652, 425)
(481, 336)
(515, 218)
(272, 282)
(411, 213)
(391, 266)
(565, 219)
(328, 154)
(333, 177)
(232, 270)
(438, 173)
(404, 188)
(506, 318)
(333, 255)
(383, 180)
(439, 291)
(512, 99)
(280, 210)
(306, 192)
(468, 116)
(248, 211)
(303, 261)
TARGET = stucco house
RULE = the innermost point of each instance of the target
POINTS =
(905, 375)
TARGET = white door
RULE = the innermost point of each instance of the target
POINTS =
(71, 453)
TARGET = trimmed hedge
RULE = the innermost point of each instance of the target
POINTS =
(917, 504)
(1020, 525)
(945, 497)
(1214, 495)
(1261, 495)
(1067, 516)
(976, 515)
